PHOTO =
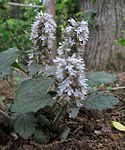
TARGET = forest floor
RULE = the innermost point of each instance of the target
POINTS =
(91, 130)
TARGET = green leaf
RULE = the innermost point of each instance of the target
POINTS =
(6, 72)
(73, 110)
(40, 137)
(92, 89)
(121, 42)
(100, 101)
(32, 95)
(93, 1)
(24, 124)
(110, 88)
(65, 133)
(51, 71)
(33, 68)
(123, 32)
(7, 58)
(97, 78)
(3, 4)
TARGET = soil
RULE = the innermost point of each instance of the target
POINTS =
(91, 130)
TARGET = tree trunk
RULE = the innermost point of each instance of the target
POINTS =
(15, 11)
(50, 8)
(102, 51)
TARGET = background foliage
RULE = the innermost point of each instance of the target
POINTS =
(14, 32)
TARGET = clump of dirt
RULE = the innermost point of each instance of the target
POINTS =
(89, 131)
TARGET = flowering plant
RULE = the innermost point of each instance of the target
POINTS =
(71, 86)
(70, 64)
(42, 101)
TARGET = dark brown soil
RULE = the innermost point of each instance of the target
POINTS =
(91, 130)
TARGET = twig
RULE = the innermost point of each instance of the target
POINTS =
(118, 88)
(24, 5)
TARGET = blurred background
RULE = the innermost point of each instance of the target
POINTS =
(106, 47)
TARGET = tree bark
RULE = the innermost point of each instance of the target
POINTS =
(50, 8)
(102, 52)
(15, 11)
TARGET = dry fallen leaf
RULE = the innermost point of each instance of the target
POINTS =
(118, 126)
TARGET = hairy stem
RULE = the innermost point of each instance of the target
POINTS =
(60, 115)
(4, 114)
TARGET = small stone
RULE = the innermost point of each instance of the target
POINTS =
(97, 132)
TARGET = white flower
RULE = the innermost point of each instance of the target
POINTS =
(76, 35)
(71, 72)
(43, 34)
(73, 22)
(70, 64)
(61, 62)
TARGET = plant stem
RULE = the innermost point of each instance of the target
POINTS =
(59, 115)
(5, 115)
